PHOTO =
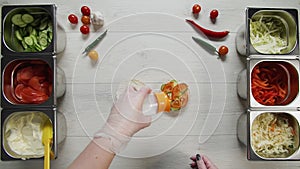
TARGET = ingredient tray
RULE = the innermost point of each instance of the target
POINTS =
(25, 125)
(272, 50)
(273, 135)
(272, 31)
(28, 29)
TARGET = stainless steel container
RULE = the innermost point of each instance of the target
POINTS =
(286, 28)
(11, 46)
(262, 65)
(20, 57)
(261, 146)
(11, 67)
(38, 116)
(290, 71)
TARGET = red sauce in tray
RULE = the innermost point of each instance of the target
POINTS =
(32, 83)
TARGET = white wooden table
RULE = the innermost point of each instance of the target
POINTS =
(150, 41)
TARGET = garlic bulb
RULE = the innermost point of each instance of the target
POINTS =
(97, 19)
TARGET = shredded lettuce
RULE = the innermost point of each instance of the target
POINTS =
(268, 35)
(273, 136)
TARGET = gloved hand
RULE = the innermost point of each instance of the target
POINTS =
(126, 118)
(202, 162)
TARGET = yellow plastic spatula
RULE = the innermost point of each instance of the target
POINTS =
(46, 140)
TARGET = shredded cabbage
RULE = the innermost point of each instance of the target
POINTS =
(267, 35)
(272, 135)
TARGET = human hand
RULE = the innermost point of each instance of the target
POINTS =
(125, 119)
(126, 116)
(202, 162)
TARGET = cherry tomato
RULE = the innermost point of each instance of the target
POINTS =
(196, 9)
(85, 19)
(73, 19)
(214, 14)
(85, 11)
(93, 55)
(84, 29)
(223, 50)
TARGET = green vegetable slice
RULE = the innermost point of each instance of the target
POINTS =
(44, 23)
(33, 32)
(43, 42)
(23, 32)
(23, 25)
(38, 48)
(36, 22)
(50, 37)
(27, 18)
(34, 39)
(17, 20)
(18, 35)
(43, 35)
(24, 44)
(174, 109)
(29, 29)
(28, 40)
(50, 24)
(27, 34)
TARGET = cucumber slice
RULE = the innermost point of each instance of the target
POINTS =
(27, 18)
(43, 47)
(38, 48)
(43, 35)
(44, 31)
(36, 22)
(45, 20)
(23, 25)
(29, 29)
(18, 35)
(23, 32)
(28, 40)
(43, 25)
(50, 28)
(34, 40)
(33, 32)
(24, 44)
(50, 37)
(43, 42)
(50, 24)
(174, 109)
(17, 20)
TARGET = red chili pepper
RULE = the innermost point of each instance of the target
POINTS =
(207, 32)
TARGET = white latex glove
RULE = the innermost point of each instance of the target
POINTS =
(126, 118)
(202, 162)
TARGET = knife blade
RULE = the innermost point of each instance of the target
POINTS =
(205, 44)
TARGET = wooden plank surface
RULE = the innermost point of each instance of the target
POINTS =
(150, 41)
